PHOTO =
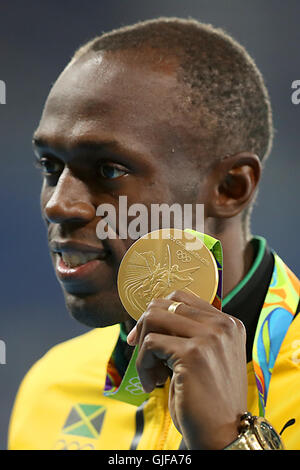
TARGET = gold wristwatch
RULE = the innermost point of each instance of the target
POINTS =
(256, 433)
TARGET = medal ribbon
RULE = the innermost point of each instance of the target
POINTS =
(130, 389)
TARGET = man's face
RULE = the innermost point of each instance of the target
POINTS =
(110, 128)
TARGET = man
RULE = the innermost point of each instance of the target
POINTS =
(165, 111)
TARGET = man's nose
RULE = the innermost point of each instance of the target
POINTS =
(70, 201)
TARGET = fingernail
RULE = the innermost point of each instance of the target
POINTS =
(131, 337)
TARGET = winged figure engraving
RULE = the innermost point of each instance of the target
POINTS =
(147, 279)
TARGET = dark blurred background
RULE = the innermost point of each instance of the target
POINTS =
(37, 39)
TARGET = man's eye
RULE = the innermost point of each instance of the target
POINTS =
(110, 171)
(49, 167)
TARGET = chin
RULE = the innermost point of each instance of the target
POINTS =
(95, 312)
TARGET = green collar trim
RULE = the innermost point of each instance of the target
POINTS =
(123, 333)
(261, 242)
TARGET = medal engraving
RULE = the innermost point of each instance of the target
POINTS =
(155, 267)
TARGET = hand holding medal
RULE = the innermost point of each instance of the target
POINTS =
(173, 291)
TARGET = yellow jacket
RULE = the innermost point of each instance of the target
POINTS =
(60, 403)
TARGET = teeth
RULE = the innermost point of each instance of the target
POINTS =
(75, 258)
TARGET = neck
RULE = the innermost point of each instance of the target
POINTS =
(238, 253)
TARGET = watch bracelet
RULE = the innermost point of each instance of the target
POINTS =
(250, 437)
(245, 441)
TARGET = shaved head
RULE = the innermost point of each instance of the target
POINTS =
(224, 100)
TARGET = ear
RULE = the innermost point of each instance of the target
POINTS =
(237, 177)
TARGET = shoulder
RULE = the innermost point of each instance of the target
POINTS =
(80, 360)
(87, 350)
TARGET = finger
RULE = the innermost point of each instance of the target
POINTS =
(189, 298)
(182, 322)
(186, 309)
(157, 355)
(158, 319)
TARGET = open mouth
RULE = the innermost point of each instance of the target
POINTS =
(85, 266)
(74, 266)
(73, 259)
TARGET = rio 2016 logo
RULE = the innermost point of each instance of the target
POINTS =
(135, 386)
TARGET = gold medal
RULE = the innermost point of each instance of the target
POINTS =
(163, 261)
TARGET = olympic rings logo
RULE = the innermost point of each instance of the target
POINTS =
(73, 445)
(183, 256)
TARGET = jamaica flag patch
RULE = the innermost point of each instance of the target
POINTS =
(85, 420)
